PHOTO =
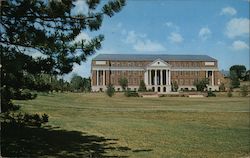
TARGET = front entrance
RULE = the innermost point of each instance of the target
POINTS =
(159, 89)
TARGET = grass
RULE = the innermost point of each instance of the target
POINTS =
(94, 125)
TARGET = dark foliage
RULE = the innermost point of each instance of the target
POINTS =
(174, 86)
(110, 90)
(129, 93)
(24, 119)
(211, 94)
(201, 85)
(48, 28)
(244, 90)
(239, 70)
(142, 86)
(123, 82)
(235, 82)
(222, 87)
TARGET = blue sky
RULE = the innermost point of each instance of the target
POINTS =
(218, 28)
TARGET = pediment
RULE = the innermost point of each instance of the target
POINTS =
(159, 63)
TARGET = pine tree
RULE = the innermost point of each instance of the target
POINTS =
(48, 28)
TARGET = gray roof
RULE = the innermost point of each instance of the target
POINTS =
(151, 57)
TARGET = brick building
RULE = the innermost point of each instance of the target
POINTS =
(157, 71)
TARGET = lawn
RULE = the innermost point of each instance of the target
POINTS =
(94, 125)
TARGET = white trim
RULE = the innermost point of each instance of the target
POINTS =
(158, 68)
(165, 64)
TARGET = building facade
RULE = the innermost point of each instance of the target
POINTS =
(157, 71)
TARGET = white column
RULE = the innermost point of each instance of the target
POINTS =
(212, 78)
(161, 78)
(206, 73)
(166, 77)
(97, 77)
(169, 77)
(155, 77)
(149, 79)
(146, 77)
(103, 77)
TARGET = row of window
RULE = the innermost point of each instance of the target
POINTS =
(184, 81)
(128, 64)
(186, 73)
(131, 81)
(175, 64)
(127, 72)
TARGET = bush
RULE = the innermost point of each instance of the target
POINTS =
(24, 94)
(229, 93)
(25, 119)
(201, 84)
(129, 93)
(210, 94)
(123, 83)
(222, 87)
(244, 90)
(174, 86)
(142, 87)
(110, 90)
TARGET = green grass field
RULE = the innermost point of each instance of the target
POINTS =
(94, 125)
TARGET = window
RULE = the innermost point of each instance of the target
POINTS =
(181, 81)
(164, 89)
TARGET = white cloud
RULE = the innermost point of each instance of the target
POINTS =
(148, 45)
(140, 42)
(205, 33)
(175, 37)
(80, 7)
(82, 36)
(237, 27)
(239, 45)
(228, 11)
(172, 25)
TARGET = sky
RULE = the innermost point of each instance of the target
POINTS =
(218, 28)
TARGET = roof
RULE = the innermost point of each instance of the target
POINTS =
(151, 57)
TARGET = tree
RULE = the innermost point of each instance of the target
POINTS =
(87, 84)
(77, 83)
(123, 82)
(244, 90)
(247, 76)
(235, 83)
(142, 86)
(222, 87)
(48, 28)
(110, 90)
(201, 84)
(174, 86)
(240, 71)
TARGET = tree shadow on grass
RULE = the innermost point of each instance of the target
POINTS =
(19, 141)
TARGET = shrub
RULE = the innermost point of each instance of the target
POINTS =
(110, 90)
(201, 84)
(123, 83)
(45, 118)
(174, 86)
(244, 90)
(222, 87)
(229, 93)
(210, 94)
(129, 93)
(24, 94)
(25, 119)
(142, 87)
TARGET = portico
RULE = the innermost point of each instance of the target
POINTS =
(158, 76)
